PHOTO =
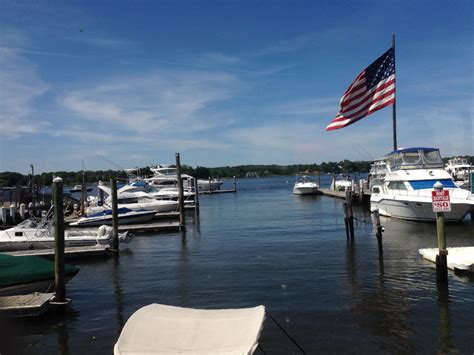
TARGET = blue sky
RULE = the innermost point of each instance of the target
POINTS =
(225, 82)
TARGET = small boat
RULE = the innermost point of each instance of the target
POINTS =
(405, 190)
(104, 216)
(78, 188)
(341, 183)
(209, 185)
(304, 185)
(26, 274)
(460, 170)
(34, 234)
(161, 329)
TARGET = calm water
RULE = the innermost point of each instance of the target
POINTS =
(263, 245)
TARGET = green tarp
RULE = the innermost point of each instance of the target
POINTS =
(18, 270)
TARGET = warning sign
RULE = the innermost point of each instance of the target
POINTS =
(440, 201)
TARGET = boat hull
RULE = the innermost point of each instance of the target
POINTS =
(305, 190)
(107, 219)
(417, 210)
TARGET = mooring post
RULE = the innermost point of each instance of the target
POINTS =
(234, 183)
(59, 276)
(334, 181)
(378, 226)
(196, 194)
(319, 179)
(346, 218)
(442, 257)
(115, 241)
(181, 193)
(12, 214)
(83, 198)
(351, 212)
(3, 215)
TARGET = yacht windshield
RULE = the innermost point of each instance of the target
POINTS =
(416, 159)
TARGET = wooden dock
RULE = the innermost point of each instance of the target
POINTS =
(333, 193)
(216, 192)
(33, 304)
(144, 227)
(461, 258)
(69, 253)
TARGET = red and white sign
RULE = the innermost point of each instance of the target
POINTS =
(440, 201)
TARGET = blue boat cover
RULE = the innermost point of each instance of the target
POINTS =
(428, 184)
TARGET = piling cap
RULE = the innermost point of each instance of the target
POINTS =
(438, 185)
(57, 179)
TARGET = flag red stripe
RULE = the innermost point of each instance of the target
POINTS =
(369, 95)
(383, 84)
(388, 103)
(360, 110)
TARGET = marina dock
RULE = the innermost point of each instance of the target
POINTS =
(33, 304)
(461, 259)
(69, 253)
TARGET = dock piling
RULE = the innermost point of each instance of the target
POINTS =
(346, 218)
(115, 241)
(181, 193)
(350, 212)
(234, 182)
(441, 258)
(59, 276)
(196, 194)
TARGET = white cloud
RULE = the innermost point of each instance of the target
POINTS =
(155, 103)
(20, 86)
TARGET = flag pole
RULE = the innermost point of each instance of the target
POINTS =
(394, 107)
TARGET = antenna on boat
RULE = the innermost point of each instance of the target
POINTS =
(394, 106)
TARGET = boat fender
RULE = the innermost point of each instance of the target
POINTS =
(101, 231)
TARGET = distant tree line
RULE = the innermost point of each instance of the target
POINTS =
(75, 177)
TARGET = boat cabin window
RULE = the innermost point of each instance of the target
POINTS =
(127, 200)
(396, 185)
(375, 190)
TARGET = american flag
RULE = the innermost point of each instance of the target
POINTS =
(372, 89)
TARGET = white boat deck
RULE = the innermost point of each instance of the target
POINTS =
(458, 258)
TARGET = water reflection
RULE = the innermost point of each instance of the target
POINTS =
(118, 294)
(445, 338)
(382, 312)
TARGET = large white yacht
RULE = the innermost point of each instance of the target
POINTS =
(405, 191)
(166, 176)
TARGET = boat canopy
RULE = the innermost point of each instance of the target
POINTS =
(415, 158)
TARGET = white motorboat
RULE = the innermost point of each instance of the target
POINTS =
(134, 199)
(104, 216)
(209, 185)
(165, 177)
(341, 183)
(34, 234)
(304, 185)
(405, 191)
(460, 170)
(78, 188)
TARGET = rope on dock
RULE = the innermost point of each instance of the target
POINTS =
(288, 335)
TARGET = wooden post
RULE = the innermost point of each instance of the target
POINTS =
(33, 190)
(361, 192)
(441, 258)
(334, 181)
(59, 276)
(234, 182)
(196, 194)
(319, 179)
(101, 195)
(351, 213)
(83, 196)
(346, 218)
(115, 241)
(181, 193)
(378, 226)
